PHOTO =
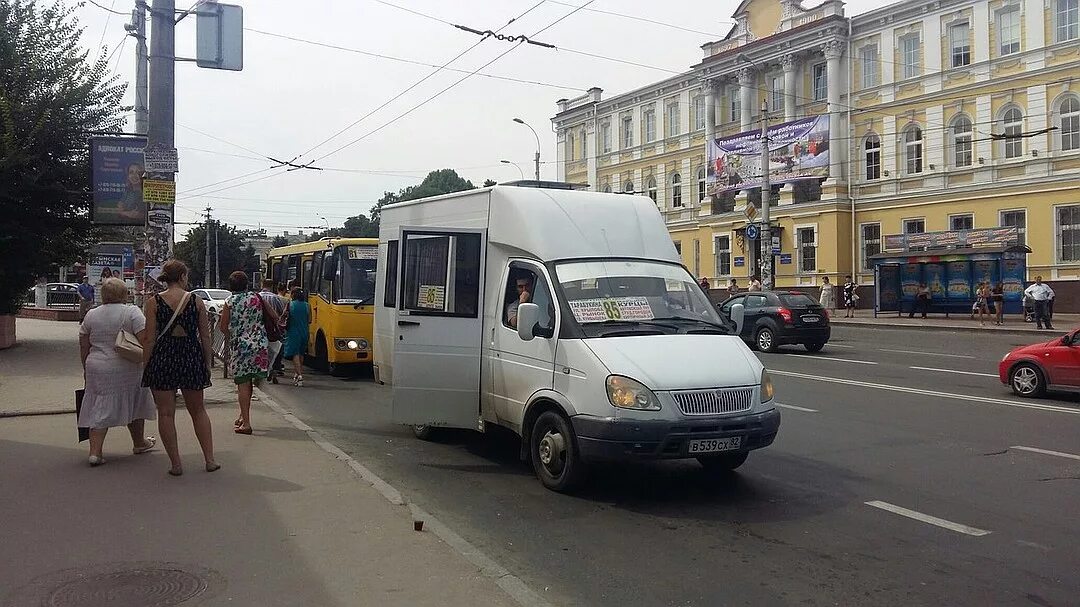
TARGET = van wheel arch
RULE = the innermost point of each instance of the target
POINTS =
(532, 412)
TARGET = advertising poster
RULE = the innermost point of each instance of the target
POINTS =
(910, 277)
(117, 177)
(797, 150)
(935, 280)
(889, 277)
(1012, 278)
(959, 273)
(984, 271)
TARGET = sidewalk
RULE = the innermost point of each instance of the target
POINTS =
(1013, 324)
(282, 523)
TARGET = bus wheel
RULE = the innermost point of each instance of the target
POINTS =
(322, 356)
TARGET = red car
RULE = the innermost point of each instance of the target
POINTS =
(1053, 365)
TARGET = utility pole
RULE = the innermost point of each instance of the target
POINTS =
(137, 30)
(217, 257)
(766, 199)
(206, 267)
(161, 125)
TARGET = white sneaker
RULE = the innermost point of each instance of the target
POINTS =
(96, 460)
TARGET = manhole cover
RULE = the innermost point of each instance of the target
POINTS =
(139, 584)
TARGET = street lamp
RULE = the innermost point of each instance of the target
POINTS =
(325, 222)
(520, 121)
(518, 167)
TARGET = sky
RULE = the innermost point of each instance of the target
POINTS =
(291, 97)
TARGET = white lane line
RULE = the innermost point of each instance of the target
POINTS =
(796, 408)
(832, 345)
(1043, 451)
(927, 353)
(994, 375)
(841, 360)
(930, 393)
(931, 520)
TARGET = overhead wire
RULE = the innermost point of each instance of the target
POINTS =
(646, 20)
(106, 9)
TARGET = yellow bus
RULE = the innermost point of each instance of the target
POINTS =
(338, 275)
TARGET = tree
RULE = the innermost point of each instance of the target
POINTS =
(279, 241)
(489, 182)
(51, 95)
(233, 253)
(442, 181)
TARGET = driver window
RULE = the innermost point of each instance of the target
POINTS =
(726, 308)
(525, 285)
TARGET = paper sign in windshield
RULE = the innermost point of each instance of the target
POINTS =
(363, 253)
(432, 297)
(619, 308)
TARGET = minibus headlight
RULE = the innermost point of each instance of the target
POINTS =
(353, 345)
(345, 343)
(766, 386)
(627, 393)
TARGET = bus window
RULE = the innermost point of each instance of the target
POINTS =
(322, 287)
(390, 296)
(356, 274)
(308, 278)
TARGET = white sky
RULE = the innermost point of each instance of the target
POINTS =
(291, 96)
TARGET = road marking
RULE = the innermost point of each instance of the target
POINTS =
(928, 353)
(842, 360)
(796, 408)
(832, 345)
(1043, 451)
(994, 375)
(930, 393)
(931, 520)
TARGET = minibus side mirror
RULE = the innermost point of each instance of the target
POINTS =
(527, 316)
(329, 268)
(737, 317)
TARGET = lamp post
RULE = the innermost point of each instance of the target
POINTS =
(517, 166)
(327, 223)
(520, 121)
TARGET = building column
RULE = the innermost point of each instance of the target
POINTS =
(711, 95)
(746, 98)
(791, 86)
(833, 50)
(590, 153)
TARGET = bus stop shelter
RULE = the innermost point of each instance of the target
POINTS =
(951, 264)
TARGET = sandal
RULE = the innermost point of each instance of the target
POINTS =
(212, 466)
(95, 460)
(239, 430)
(176, 471)
(151, 442)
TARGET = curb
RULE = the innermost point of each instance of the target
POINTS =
(947, 328)
(517, 589)
(4, 414)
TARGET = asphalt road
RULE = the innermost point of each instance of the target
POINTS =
(889, 484)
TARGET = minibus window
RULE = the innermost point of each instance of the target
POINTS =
(390, 295)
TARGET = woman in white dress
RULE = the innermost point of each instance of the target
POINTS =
(827, 299)
(114, 393)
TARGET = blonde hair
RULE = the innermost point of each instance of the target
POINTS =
(113, 290)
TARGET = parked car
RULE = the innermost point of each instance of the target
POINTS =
(777, 318)
(213, 298)
(1054, 365)
(58, 294)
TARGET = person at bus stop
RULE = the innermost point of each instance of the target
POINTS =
(242, 323)
(86, 297)
(1041, 294)
(827, 298)
(733, 287)
(922, 300)
(851, 298)
(997, 297)
(296, 333)
(278, 305)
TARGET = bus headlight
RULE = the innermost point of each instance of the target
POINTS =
(627, 393)
(356, 343)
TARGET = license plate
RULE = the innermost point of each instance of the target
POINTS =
(810, 318)
(713, 445)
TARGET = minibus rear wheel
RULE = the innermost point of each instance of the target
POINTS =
(554, 452)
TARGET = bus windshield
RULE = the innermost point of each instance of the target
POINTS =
(356, 274)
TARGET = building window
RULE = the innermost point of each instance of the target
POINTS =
(650, 188)
(678, 246)
(913, 150)
(1015, 219)
(961, 134)
(911, 51)
(1009, 30)
(735, 100)
(873, 156)
(776, 93)
(607, 188)
(673, 119)
(584, 144)
(1068, 220)
(1069, 123)
(722, 255)
(869, 66)
(1012, 122)
(807, 249)
(961, 222)
(699, 112)
(914, 226)
(676, 190)
(628, 187)
(871, 243)
(701, 182)
(627, 132)
(821, 82)
(605, 136)
(1067, 16)
(570, 145)
(649, 128)
(959, 45)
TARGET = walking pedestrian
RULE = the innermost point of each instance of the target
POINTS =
(982, 298)
(755, 284)
(1041, 294)
(922, 300)
(827, 298)
(278, 305)
(242, 323)
(997, 297)
(178, 355)
(733, 287)
(114, 395)
(851, 298)
(704, 284)
(86, 298)
(296, 333)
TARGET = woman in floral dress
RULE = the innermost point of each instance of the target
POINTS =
(249, 356)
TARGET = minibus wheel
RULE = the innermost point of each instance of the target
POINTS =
(554, 453)
(423, 431)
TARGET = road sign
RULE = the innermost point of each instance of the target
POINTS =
(750, 212)
(775, 245)
(160, 159)
(753, 231)
(159, 191)
(219, 36)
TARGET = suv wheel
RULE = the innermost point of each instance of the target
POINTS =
(765, 340)
(553, 450)
(814, 347)
(1027, 380)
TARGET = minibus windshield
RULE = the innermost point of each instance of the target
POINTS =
(357, 274)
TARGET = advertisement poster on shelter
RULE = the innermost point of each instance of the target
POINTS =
(910, 277)
(934, 275)
(985, 271)
(888, 286)
(959, 280)
(1012, 279)
(117, 176)
(797, 150)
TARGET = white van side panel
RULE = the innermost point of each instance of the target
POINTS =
(581, 377)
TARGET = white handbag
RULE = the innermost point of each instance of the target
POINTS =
(128, 346)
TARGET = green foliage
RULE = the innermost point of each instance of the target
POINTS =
(442, 181)
(279, 241)
(233, 253)
(52, 94)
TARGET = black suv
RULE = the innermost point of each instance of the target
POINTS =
(776, 318)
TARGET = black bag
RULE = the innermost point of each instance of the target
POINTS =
(84, 433)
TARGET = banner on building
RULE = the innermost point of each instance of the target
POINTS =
(797, 150)
(116, 168)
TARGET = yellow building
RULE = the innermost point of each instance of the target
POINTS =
(947, 115)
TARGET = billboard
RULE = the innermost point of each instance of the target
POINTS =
(116, 170)
(797, 150)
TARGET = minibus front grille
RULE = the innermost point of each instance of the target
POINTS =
(714, 402)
